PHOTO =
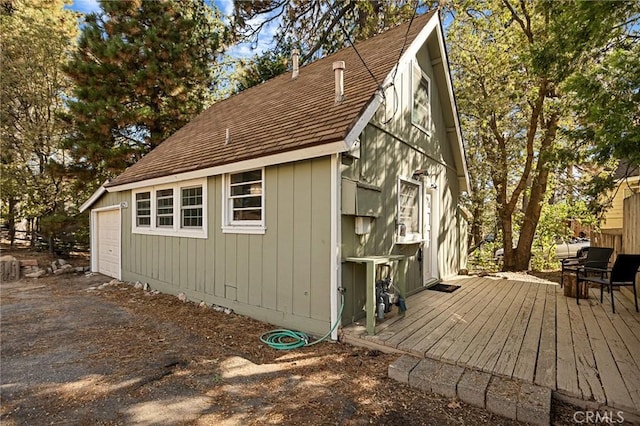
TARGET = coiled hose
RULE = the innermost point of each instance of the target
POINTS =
(286, 340)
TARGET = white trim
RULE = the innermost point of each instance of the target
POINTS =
(454, 107)
(93, 233)
(363, 120)
(94, 197)
(336, 264)
(255, 163)
(420, 235)
(415, 67)
(242, 227)
(435, 229)
(177, 230)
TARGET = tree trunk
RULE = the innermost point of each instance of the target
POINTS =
(11, 220)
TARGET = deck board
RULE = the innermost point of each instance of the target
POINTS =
(474, 353)
(529, 331)
(546, 363)
(507, 360)
(489, 356)
(453, 336)
(566, 372)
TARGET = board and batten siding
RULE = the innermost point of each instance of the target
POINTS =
(281, 277)
(395, 148)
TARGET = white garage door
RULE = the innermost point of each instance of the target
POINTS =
(108, 244)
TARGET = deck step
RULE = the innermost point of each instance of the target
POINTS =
(509, 398)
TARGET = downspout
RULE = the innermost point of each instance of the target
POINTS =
(336, 264)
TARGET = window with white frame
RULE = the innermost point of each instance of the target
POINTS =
(143, 209)
(244, 201)
(191, 207)
(409, 214)
(421, 109)
(164, 208)
(177, 209)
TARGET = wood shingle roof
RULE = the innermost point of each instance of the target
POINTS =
(280, 115)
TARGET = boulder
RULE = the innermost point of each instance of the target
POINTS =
(9, 268)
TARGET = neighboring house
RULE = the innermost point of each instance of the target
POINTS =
(627, 183)
(255, 204)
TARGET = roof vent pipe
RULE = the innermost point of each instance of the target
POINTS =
(338, 69)
(294, 57)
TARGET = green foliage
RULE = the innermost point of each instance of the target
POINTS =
(606, 100)
(510, 62)
(316, 26)
(260, 68)
(143, 69)
(37, 38)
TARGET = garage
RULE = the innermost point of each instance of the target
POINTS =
(107, 245)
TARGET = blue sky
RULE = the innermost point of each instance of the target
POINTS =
(243, 50)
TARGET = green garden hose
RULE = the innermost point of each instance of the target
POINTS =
(286, 340)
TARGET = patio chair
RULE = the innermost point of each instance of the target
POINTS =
(623, 274)
(597, 257)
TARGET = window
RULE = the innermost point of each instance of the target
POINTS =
(164, 208)
(408, 212)
(191, 207)
(175, 209)
(421, 110)
(143, 209)
(244, 202)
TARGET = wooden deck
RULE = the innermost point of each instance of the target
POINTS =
(525, 330)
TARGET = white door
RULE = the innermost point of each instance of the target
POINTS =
(108, 244)
(430, 237)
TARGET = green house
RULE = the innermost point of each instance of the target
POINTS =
(262, 202)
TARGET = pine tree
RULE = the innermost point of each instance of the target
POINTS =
(143, 69)
(36, 39)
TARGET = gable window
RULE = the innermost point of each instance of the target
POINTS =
(177, 209)
(421, 108)
(409, 214)
(244, 202)
(164, 208)
(191, 207)
(143, 209)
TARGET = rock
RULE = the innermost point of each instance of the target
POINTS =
(79, 269)
(9, 268)
(146, 287)
(217, 308)
(138, 284)
(54, 267)
(113, 282)
(103, 286)
(62, 262)
(182, 297)
(92, 288)
(49, 271)
(67, 266)
(64, 270)
(228, 311)
(36, 274)
(86, 268)
(202, 304)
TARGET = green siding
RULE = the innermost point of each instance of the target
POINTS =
(392, 150)
(281, 277)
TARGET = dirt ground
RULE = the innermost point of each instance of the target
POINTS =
(119, 355)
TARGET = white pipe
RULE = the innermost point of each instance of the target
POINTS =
(338, 69)
(336, 264)
(294, 57)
